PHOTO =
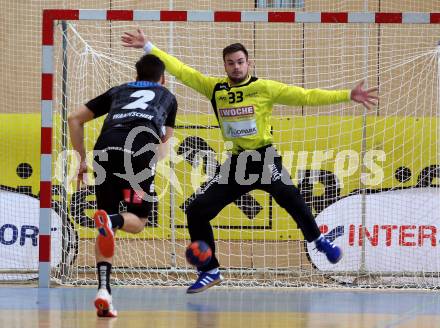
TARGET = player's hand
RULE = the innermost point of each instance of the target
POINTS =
(134, 40)
(365, 97)
(82, 171)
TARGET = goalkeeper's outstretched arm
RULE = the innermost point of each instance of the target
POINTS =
(187, 75)
(297, 96)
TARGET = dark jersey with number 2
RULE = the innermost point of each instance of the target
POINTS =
(140, 103)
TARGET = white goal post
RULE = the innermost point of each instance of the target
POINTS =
(371, 178)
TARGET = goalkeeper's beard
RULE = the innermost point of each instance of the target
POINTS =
(237, 80)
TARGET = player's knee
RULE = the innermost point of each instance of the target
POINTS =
(191, 215)
(191, 219)
(140, 225)
(286, 196)
(198, 214)
(198, 208)
(193, 209)
(140, 210)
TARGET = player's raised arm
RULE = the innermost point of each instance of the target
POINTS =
(76, 121)
(187, 75)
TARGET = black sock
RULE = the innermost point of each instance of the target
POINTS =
(104, 270)
(117, 220)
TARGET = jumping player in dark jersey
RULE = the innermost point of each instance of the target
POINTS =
(243, 106)
(140, 116)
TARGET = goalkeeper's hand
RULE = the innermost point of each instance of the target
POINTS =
(134, 40)
(363, 96)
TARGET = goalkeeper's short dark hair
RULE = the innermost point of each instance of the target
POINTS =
(235, 47)
(149, 68)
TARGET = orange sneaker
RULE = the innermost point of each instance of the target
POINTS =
(106, 237)
(103, 304)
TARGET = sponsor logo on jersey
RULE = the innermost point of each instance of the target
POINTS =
(132, 114)
(239, 111)
(252, 94)
(240, 129)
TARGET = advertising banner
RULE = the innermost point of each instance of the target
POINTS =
(395, 231)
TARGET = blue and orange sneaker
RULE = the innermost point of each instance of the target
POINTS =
(333, 252)
(106, 237)
(205, 281)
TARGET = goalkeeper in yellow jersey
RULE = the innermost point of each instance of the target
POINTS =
(243, 106)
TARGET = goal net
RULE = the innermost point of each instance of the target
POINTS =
(370, 177)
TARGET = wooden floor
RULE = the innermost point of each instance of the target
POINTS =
(220, 307)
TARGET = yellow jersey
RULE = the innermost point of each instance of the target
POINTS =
(244, 111)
